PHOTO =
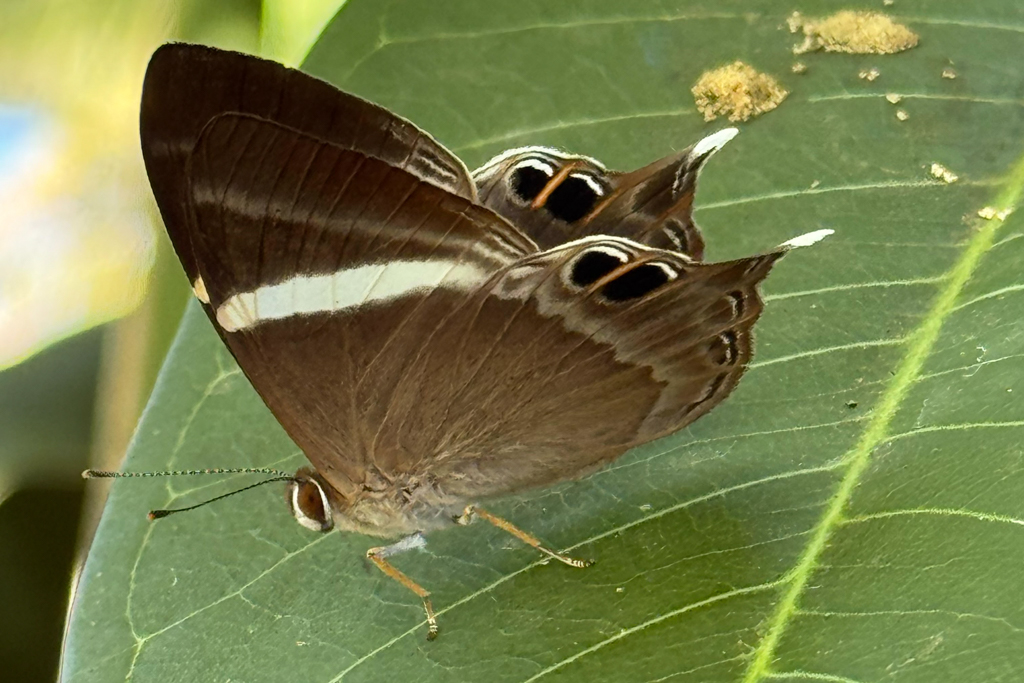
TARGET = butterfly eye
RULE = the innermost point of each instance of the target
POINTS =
(594, 264)
(309, 504)
(529, 177)
(574, 197)
(639, 281)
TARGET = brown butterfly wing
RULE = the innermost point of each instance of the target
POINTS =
(555, 197)
(514, 369)
(545, 380)
(271, 205)
(187, 85)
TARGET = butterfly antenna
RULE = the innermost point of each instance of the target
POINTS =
(276, 475)
(107, 474)
(157, 514)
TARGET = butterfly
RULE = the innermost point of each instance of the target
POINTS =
(430, 337)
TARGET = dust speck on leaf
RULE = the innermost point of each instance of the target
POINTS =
(902, 115)
(738, 91)
(852, 32)
(893, 98)
(942, 173)
(948, 73)
(869, 74)
(990, 212)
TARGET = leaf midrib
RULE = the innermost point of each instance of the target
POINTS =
(920, 344)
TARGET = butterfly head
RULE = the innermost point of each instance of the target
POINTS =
(307, 498)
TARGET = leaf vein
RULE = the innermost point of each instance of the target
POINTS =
(909, 613)
(652, 622)
(856, 285)
(942, 512)
(812, 676)
(990, 295)
(921, 343)
(919, 96)
(897, 341)
(732, 437)
(955, 428)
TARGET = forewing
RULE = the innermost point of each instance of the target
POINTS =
(188, 85)
(315, 260)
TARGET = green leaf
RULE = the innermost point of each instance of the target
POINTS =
(853, 513)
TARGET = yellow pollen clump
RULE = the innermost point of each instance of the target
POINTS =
(738, 91)
(854, 32)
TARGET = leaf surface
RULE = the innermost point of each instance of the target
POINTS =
(853, 513)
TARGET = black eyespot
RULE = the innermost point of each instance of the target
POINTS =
(736, 302)
(592, 266)
(572, 199)
(527, 182)
(676, 231)
(635, 283)
(723, 348)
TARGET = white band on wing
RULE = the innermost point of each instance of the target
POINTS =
(343, 290)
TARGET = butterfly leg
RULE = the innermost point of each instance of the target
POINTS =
(379, 557)
(473, 511)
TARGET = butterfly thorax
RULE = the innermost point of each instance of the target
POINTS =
(392, 506)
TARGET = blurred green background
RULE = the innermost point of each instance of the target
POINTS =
(90, 293)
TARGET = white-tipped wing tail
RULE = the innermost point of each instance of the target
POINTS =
(806, 240)
(712, 143)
